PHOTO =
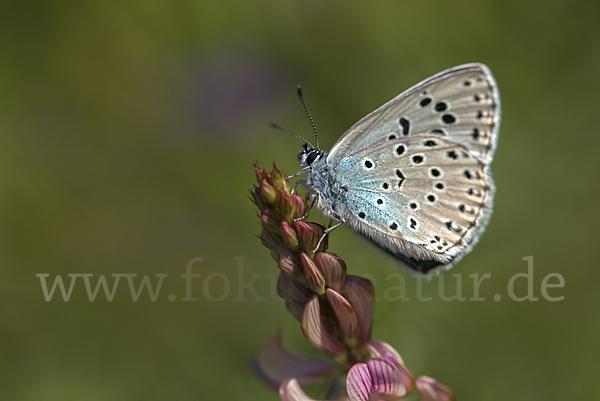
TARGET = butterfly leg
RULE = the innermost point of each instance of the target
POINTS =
(296, 186)
(298, 173)
(325, 234)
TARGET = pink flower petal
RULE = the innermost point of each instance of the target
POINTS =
(359, 383)
(316, 332)
(380, 349)
(360, 294)
(290, 390)
(275, 363)
(386, 378)
(344, 313)
(384, 350)
(431, 390)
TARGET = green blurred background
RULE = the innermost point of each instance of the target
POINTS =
(128, 130)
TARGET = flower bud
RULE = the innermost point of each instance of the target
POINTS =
(319, 232)
(285, 206)
(279, 180)
(259, 173)
(313, 274)
(308, 238)
(269, 219)
(289, 263)
(289, 236)
(333, 268)
(297, 205)
(268, 192)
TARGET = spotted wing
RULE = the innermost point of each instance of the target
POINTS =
(424, 199)
(461, 104)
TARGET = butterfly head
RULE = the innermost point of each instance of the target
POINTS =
(308, 155)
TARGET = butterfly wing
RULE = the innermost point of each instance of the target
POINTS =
(461, 104)
(415, 173)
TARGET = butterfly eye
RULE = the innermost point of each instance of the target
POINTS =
(311, 158)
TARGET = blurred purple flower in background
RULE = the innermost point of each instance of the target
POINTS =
(232, 90)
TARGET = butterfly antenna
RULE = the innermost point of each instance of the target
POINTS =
(273, 125)
(308, 114)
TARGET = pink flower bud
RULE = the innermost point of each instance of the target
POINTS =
(308, 238)
(268, 192)
(333, 268)
(298, 206)
(284, 206)
(289, 263)
(313, 274)
(259, 173)
(269, 219)
(279, 180)
(289, 236)
(319, 231)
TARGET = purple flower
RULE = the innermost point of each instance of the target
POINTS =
(276, 363)
(384, 377)
(335, 311)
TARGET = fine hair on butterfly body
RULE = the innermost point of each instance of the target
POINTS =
(413, 177)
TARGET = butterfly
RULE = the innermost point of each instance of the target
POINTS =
(413, 177)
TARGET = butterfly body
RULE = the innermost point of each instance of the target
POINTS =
(414, 177)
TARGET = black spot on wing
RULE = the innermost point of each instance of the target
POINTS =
(448, 119)
(405, 124)
(441, 106)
